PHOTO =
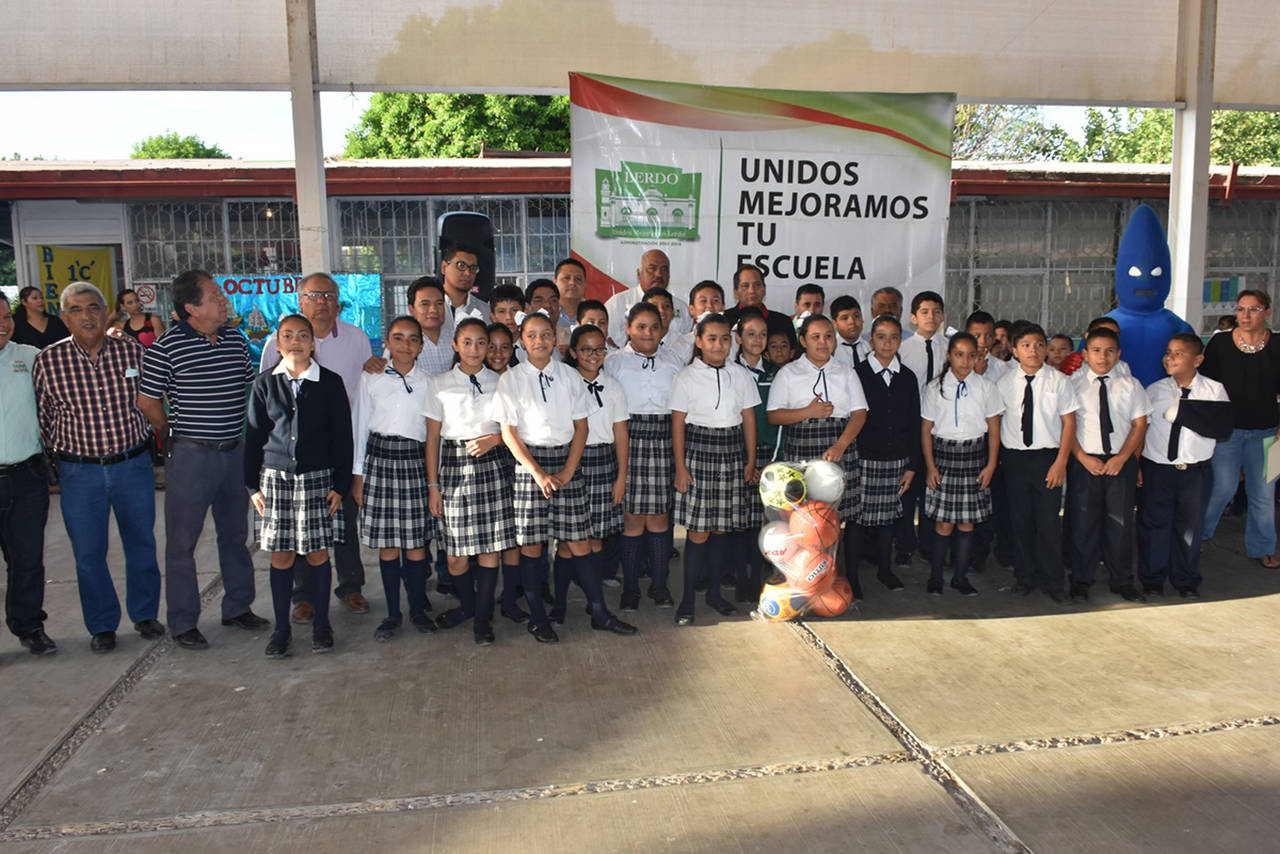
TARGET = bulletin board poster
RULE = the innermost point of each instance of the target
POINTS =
(258, 303)
(59, 266)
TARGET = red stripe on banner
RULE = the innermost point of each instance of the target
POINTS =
(600, 285)
(612, 100)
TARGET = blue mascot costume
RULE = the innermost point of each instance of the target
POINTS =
(1142, 285)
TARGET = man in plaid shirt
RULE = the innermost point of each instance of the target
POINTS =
(86, 387)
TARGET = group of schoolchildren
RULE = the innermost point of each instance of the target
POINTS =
(536, 439)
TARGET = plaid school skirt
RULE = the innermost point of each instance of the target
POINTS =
(717, 499)
(394, 514)
(564, 516)
(650, 466)
(296, 518)
(958, 497)
(599, 469)
(476, 491)
(754, 506)
(809, 440)
(881, 504)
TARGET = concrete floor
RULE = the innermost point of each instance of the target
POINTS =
(997, 723)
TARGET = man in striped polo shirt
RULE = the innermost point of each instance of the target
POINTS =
(202, 366)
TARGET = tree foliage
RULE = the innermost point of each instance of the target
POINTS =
(407, 124)
(1006, 132)
(1247, 137)
(170, 146)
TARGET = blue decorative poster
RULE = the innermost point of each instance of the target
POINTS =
(258, 303)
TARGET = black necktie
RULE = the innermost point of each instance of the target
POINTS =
(648, 363)
(1028, 412)
(717, 369)
(853, 350)
(1176, 433)
(544, 383)
(595, 388)
(928, 351)
(477, 390)
(1104, 415)
(962, 390)
(821, 381)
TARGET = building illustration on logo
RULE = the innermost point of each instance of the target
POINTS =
(649, 201)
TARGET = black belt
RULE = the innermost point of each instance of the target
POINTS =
(228, 445)
(1184, 466)
(106, 461)
(14, 468)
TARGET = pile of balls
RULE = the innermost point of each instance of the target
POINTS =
(801, 543)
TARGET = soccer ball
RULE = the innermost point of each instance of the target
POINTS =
(824, 481)
(816, 524)
(781, 486)
(777, 543)
(779, 603)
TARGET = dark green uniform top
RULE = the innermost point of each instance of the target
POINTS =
(766, 433)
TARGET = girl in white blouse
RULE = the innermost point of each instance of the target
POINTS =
(542, 407)
(389, 476)
(960, 413)
(469, 482)
(713, 431)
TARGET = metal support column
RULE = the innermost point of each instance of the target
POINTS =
(313, 209)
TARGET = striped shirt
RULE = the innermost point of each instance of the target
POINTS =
(205, 382)
(87, 408)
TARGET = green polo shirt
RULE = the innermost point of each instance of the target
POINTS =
(19, 424)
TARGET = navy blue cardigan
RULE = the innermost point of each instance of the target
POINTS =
(310, 435)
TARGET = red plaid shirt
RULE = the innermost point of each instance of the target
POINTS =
(89, 408)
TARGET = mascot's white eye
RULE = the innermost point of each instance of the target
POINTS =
(1157, 271)
(1134, 271)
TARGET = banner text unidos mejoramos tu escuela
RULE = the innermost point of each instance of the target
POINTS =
(850, 191)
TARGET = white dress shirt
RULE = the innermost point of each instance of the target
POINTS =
(438, 357)
(344, 351)
(465, 411)
(959, 409)
(646, 380)
(1126, 401)
(620, 303)
(887, 372)
(608, 404)
(391, 405)
(798, 382)
(713, 397)
(1192, 447)
(913, 355)
(847, 351)
(1053, 397)
(997, 368)
(542, 404)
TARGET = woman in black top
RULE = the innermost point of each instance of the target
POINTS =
(32, 325)
(142, 326)
(297, 463)
(1247, 362)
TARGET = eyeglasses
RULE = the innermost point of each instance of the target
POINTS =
(464, 267)
(593, 351)
(321, 296)
(1249, 309)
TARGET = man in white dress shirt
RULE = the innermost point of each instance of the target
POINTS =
(654, 272)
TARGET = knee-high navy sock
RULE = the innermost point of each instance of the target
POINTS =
(415, 583)
(750, 578)
(510, 581)
(544, 564)
(591, 579)
(694, 558)
(853, 536)
(609, 557)
(659, 548)
(486, 582)
(532, 595)
(962, 554)
(281, 592)
(884, 548)
(717, 554)
(464, 587)
(938, 556)
(564, 572)
(321, 586)
(629, 548)
(391, 585)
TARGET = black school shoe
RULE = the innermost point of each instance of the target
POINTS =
(933, 587)
(963, 587)
(322, 640)
(248, 621)
(543, 634)
(613, 624)
(38, 643)
(1153, 590)
(1128, 593)
(629, 602)
(278, 646)
(661, 597)
(102, 642)
(516, 616)
(483, 635)
(386, 629)
(424, 624)
(1189, 592)
(722, 607)
(893, 582)
(152, 629)
(1079, 593)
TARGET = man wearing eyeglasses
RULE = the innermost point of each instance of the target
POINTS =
(459, 269)
(654, 272)
(345, 350)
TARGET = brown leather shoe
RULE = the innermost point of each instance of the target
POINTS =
(302, 613)
(356, 603)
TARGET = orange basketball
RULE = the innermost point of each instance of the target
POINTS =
(810, 570)
(833, 601)
(816, 523)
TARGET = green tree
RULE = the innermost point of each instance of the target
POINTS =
(170, 146)
(1006, 132)
(407, 124)
(1248, 137)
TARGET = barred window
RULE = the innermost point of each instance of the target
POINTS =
(262, 237)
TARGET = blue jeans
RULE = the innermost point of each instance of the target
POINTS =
(89, 493)
(1243, 449)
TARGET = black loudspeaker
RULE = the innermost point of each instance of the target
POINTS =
(475, 231)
